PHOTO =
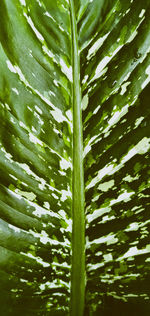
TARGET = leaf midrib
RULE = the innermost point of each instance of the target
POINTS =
(78, 217)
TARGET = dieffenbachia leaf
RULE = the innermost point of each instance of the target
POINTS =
(58, 58)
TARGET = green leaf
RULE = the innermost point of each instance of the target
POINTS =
(74, 157)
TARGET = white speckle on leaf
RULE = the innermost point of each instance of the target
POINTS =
(85, 101)
(15, 90)
(87, 149)
(69, 115)
(26, 168)
(129, 155)
(23, 2)
(106, 170)
(47, 52)
(132, 36)
(133, 251)
(101, 66)
(67, 221)
(65, 194)
(34, 139)
(88, 146)
(38, 34)
(44, 238)
(116, 117)
(46, 205)
(62, 213)
(141, 148)
(12, 120)
(64, 164)
(128, 178)
(23, 280)
(97, 213)
(66, 70)
(37, 259)
(124, 87)
(94, 266)
(57, 115)
(85, 79)
(39, 119)
(106, 185)
(19, 197)
(38, 109)
(42, 287)
(108, 257)
(16, 229)
(125, 196)
(141, 13)
(109, 239)
(50, 285)
(55, 196)
(29, 108)
(132, 227)
(7, 155)
(147, 71)
(49, 15)
(57, 131)
(56, 82)
(61, 28)
(28, 195)
(12, 176)
(42, 185)
(33, 129)
(138, 121)
(22, 125)
(97, 109)
(100, 70)
(92, 51)
(10, 66)
(40, 211)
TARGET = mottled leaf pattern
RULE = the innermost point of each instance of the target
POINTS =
(115, 77)
(36, 155)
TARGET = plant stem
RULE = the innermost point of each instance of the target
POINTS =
(78, 232)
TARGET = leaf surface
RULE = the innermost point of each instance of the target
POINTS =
(39, 87)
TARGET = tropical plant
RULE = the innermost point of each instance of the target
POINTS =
(74, 143)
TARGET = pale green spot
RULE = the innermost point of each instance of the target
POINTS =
(106, 186)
